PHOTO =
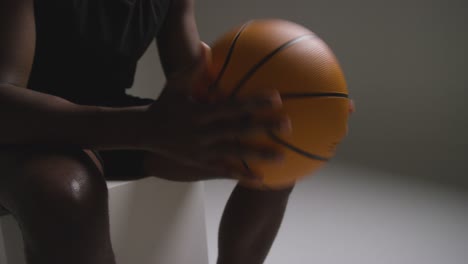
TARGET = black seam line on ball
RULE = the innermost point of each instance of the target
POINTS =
(285, 96)
(266, 59)
(296, 149)
(229, 55)
(247, 167)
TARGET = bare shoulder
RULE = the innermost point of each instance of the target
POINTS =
(17, 32)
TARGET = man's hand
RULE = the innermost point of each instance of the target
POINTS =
(208, 135)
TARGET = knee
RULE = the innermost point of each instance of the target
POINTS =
(58, 183)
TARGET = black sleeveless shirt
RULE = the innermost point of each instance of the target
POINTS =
(90, 48)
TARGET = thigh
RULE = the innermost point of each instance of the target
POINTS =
(29, 171)
(114, 164)
(59, 199)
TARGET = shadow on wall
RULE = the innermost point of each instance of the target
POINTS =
(443, 164)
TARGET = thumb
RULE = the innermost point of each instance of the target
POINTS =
(195, 73)
(201, 76)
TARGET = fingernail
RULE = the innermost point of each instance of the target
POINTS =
(279, 157)
(236, 175)
(257, 177)
(352, 106)
(244, 175)
(251, 175)
(273, 156)
(276, 99)
(285, 125)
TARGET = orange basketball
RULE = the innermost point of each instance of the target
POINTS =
(282, 55)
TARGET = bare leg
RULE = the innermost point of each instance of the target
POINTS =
(251, 218)
(249, 225)
(59, 199)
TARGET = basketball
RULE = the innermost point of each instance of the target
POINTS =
(282, 55)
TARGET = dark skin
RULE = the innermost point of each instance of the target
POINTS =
(40, 171)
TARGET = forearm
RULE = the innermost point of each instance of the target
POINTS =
(30, 117)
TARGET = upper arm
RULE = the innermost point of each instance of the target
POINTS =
(178, 40)
(17, 41)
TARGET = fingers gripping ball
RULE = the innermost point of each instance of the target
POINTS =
(281, 55)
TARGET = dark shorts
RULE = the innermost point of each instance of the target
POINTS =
(120, 164)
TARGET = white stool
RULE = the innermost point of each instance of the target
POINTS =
(152, 221)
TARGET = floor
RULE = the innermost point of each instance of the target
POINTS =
(348, 215)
